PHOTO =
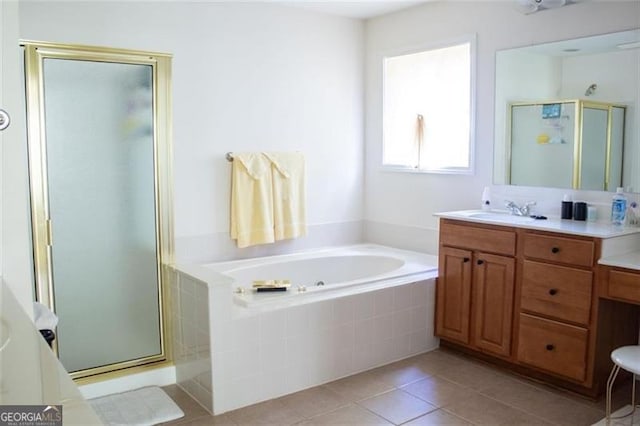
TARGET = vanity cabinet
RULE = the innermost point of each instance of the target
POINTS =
(534, 301)
(475, 287)
(556, 289)
(621, 284)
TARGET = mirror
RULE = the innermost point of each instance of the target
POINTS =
(600, 69)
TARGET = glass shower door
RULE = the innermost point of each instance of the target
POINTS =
(97, 204)
(99, 133)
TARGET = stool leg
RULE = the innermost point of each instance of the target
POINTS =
(610, 381)
(633, 395)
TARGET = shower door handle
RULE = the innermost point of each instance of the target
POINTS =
(5, 120)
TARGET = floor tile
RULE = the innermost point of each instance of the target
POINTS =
(476, 376)
(435, 388)
(438, 360)
(349, 415)
(188, 405)
(397, 406)
(546, 404)
(311, 402)
(219, 420)
(359, 386)
(272, 412)
(482, 410)
(622, 417)
(436, 418)
(402, 372)
(437, 391)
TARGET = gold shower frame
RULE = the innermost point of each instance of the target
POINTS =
(579, 105)
(42, 233)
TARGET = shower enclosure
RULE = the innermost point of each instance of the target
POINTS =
(99, 160)
(575, 144)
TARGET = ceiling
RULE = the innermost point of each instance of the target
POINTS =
(363, 9)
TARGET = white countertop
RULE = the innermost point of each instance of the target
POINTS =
(572, 227)
(30, 374)
(628, 260)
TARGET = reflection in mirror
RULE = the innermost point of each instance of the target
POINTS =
(578, 144)
(600, 72)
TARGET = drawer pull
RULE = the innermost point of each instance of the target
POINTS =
(553, 291)
(480, 262)
(550, 347)
(555, 250)
(465, 259)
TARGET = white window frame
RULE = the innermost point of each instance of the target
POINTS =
(471, 40)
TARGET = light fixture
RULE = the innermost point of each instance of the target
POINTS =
(531, 6)
(591, 89)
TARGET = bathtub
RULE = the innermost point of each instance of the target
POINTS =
(341, 270)
(376, 305)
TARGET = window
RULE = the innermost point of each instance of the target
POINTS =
(428, 109)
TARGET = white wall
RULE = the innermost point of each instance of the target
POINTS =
(246, 77)
(16, 265)
(399, 207)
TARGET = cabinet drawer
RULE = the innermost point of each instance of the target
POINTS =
(553, 346)
(624, 285)
(488, 240)
(557, 291)
(558, 249)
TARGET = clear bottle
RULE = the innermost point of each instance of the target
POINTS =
(619, 208)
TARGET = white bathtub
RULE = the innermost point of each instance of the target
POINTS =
(360, 267)
(376, 306)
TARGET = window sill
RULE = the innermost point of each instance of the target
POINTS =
(406, 169)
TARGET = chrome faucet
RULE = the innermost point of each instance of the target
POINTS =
(517, 210)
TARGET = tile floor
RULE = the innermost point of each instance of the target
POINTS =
(435, 388)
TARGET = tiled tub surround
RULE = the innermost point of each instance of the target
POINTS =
(265, 351)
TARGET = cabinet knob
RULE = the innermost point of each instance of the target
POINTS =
(480, 262)
(550, 347)
(465, 259)
(553, 291)
(555, 249)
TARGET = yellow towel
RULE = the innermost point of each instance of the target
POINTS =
(251, 200)
(289, 212)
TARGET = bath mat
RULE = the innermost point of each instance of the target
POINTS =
(140, 407)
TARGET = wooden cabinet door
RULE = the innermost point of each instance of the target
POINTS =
(453, 298)
(493, 287)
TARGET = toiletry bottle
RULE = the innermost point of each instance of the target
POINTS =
(486, 198)
(567, 207)
(618, 208)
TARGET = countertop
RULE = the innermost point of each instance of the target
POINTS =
(572, 227)
(30, 373)
(628, 260)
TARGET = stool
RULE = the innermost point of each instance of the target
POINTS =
(627, 358)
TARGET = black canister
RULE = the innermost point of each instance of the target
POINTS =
(580, 211)
(567, 210)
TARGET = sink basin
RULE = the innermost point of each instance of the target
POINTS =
(499, 217)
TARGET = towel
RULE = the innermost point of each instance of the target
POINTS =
(288, 181)
(251, 200)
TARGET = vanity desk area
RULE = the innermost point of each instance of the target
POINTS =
(548, 299)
